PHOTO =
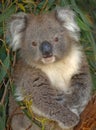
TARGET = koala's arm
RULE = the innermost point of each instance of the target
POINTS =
(81, 87)
(34, 84)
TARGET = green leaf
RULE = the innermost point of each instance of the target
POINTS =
(92, 42)
(21, 6)
(50, 4)
(64, 2)
(4, 68)
(2, 53)
(40, 5)
(2, 117)
(7, 13)
(82, 25)
(1, 30)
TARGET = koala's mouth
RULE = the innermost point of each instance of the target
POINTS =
(48, 60)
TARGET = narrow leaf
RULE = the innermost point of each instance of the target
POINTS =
(2, 117)
(21, 6)
(4, 68)
(6, 14)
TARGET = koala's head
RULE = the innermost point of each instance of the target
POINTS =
(45, 38)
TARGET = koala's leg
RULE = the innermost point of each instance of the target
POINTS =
(81, 84)
(17, 119)
(33, 84)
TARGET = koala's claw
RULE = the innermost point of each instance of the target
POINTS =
(67, 119)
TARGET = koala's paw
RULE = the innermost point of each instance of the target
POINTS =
(68, 121)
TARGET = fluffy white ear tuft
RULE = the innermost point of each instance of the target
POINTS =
(17, 25)
(67, 17)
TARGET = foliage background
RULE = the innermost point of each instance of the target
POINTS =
(86, 19)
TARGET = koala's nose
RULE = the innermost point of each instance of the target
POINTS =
(46, 49)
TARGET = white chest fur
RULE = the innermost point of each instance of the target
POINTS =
(60, 73)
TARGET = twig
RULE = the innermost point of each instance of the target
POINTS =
(5, 91)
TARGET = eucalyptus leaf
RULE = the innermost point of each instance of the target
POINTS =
(7, 13)
(21, 7)
(4, 68)
(2, 117)
(2, 52)
(82, 25)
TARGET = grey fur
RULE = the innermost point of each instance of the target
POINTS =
(32, 75)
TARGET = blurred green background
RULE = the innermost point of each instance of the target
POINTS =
(86, 19)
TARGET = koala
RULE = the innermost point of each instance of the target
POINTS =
(51, 67)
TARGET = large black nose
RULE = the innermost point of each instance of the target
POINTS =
(46, 49)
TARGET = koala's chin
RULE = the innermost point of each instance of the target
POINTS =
(48, 60)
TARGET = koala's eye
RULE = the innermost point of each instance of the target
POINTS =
(34, 43)
(56, 39)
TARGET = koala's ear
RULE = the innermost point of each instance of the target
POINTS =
(67, 17)
(17, 25)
